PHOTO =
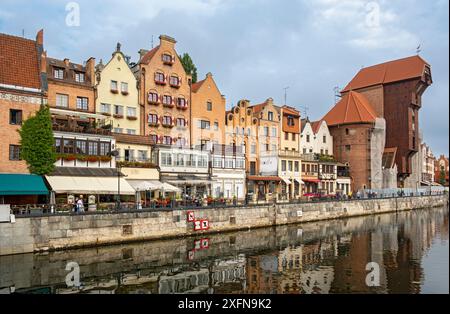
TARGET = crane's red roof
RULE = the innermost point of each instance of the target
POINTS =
(352, 108)
(388, 72)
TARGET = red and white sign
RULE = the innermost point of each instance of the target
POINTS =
(201, 225)
(190, 216)
(191, 255)
(204, 244)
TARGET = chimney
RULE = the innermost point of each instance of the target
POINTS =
(40, 38)
(142, 52)
(167, 41)
(66, 62)
(90, 70)
(209, 74)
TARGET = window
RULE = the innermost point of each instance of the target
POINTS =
(105, 108)
(131, 131)
(347, 131)
(175, 81)
(166, 58)
(114, 85)
(321, 151)
(153, 138)
(216, 126)
(324, 139)
(249, 132)
(79, 77)
(159, 77)
(209, 106)
(181, 122)
(62, 100)
(153, 97)
(167, 140)
(228, 163)
(293, 137)
(14, 152)
(274, 132)
(303, 168)
(290, 121)
(118, 130)
(118, 110)
(283, 165)
(15, 117)
(131, 112)
(58, 73)
(167, 120)
(104, 148)
(267, 147)
(304, 150)
(205, 125)
(253, 149)
(82, 103)
(348, 148)
(69, 146)
(166, 159)
(142, 155)
(326, 151)
(58, 147)
(296, 166)
(274, 147)
(270, 116)
(124, 87)
(80, 147)
(181, 102)
(308, 138)
(153, 118)
(290, 164)
(266, 131)
(167, 100)
(217, 162)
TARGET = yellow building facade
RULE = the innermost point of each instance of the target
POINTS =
(117, 94)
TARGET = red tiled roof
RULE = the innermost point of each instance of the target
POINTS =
(149, 55)
(132, 139)
(19, 63)
(353, 108)
(291, 111)
(388, 72)
(316, 126)
(196, 86)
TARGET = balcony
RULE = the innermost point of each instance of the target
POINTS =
(327, 176)
(74, 125)
(289, 153)
(168, 105)
(132, 118)
(140, 163)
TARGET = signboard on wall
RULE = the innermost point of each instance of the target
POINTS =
(190, 216)
(201, 225)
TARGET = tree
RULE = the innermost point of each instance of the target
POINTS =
(442, 176)
(189, 66)
(37, 142)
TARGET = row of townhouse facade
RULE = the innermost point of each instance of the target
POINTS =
(147, 125)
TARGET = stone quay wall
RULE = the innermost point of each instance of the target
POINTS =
(58, 232)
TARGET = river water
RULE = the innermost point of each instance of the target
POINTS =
(408, 253)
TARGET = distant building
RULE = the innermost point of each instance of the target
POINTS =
(428, 161)
(441, 167)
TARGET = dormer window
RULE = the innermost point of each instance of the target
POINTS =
(58, 73)
(79, 77)
(168, 59)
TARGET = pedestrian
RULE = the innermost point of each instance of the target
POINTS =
(80, 204)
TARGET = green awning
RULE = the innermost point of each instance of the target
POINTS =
(22, 184)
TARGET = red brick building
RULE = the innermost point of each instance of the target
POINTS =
(441, 167)
(395, 89)
(22, 91)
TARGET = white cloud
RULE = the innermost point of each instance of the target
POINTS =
(363, 24)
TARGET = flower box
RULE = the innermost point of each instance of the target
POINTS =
(132, 118)
(114, 91)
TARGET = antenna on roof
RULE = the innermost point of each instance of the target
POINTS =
(304, 110)
(337, 94)
(419, 49)
(285, 95)
(23, 32)
(152, 41)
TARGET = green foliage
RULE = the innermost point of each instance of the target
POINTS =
(37, 142)
(189, 66)
(442, 179)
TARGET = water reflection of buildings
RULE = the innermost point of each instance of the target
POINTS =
(324, 262)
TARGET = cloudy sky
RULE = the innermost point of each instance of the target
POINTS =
(256, 48)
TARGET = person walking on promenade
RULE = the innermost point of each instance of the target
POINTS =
(80, 204)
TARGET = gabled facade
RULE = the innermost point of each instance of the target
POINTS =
(117, 94)
(208, 113)
(164, 95)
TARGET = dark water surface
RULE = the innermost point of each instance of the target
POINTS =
(410, 248)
